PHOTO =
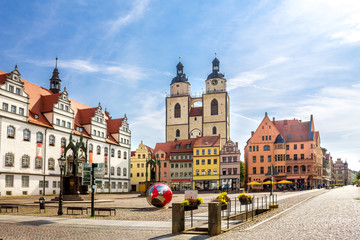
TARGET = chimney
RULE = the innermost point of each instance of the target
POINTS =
(252, 133)
(273, 119)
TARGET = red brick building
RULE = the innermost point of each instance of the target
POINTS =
(291, 146)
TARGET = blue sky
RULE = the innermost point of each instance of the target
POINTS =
(288, 58)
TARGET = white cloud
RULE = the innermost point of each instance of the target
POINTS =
(137, 11)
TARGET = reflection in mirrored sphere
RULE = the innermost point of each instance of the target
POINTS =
(159, 195)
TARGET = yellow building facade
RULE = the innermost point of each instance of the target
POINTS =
(138, 167)
(206, 163)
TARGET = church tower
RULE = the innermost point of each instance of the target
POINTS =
(55, 80)
(177, 106)
(216, 101)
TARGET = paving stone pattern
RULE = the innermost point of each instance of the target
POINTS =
(332, 215)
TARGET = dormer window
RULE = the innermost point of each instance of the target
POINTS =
(11, 88)
(67, 108)
(17, 91)
(36, 116)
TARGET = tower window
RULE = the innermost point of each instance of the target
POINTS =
(214, 107)
(214, 130)
(177, 133)
(177, 112)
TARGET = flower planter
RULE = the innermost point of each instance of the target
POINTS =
(273, 206)
(245, 202)
(190, 207)
(223, 207)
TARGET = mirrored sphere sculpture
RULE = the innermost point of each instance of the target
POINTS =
(159, 195)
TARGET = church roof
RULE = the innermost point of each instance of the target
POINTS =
(196, 111)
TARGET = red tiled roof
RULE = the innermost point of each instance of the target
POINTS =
(47, 102)
(133, 153)
(293, 130)
(208, 141)
(182, 146)
(113, 125)
(3, 77)
(164, 147)
(84, 116)
(41, 100)
(196, 111)
(150, 150)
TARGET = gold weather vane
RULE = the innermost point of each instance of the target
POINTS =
(179, 58)
(215, 54)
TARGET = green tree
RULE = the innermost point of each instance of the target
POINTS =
(358, 176)
(242, 173)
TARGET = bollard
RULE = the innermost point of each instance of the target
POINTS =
(42, 203)
(214, 219)
(178, 218)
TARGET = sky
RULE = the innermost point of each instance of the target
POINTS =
(290, 59)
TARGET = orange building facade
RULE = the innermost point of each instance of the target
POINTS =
(291, 146)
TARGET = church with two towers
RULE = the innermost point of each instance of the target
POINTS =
(185, 119)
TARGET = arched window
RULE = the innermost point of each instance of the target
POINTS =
(177, 112)
(266, 147)
(39, 137)
(52, 140)
(177, 133)
(125, 155)
(11, 131)
(63, 142)
(38, 163)
(106, 151)
(118, 171)
(124, 172)
(91, 147)
(214, 130)
(119, 154)
(112, 170)
(9, 160)
(214, 107)
(296, 168)
(303, 169)
(112, 152)
(288, 169)
(25, 161)
(98, 150)
(51, 164)
(26, 135)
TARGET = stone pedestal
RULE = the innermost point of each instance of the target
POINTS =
(178, 218)
(214, 219)
(71, 188)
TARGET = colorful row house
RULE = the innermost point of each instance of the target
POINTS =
(138, 167)
(206, 163)
(230, 166)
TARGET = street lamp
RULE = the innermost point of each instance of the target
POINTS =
(62, 162)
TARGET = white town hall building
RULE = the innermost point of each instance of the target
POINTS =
(35, 124)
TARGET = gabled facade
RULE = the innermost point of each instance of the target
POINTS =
(138, 167)
(291, 146)
(230, 166)
(41, 120)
